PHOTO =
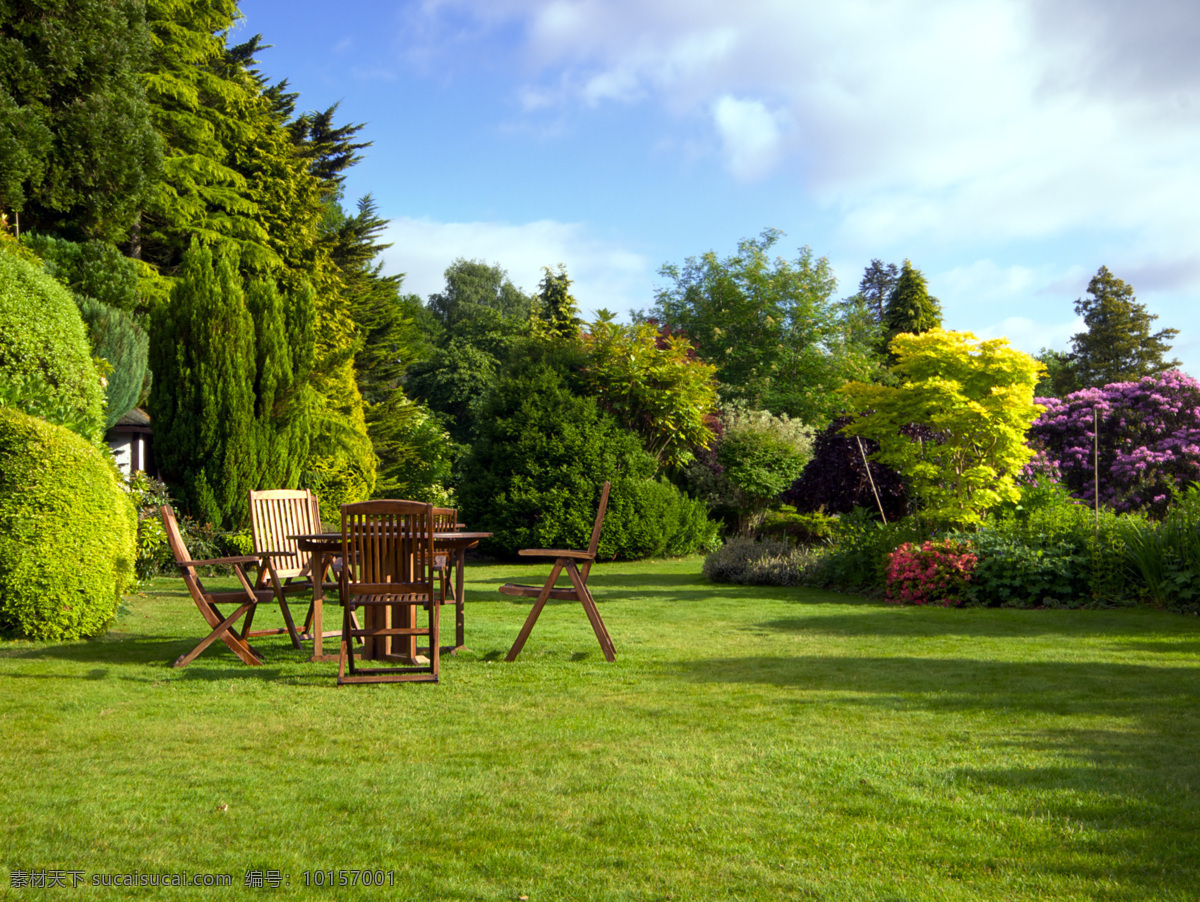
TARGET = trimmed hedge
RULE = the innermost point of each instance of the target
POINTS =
(67, 532)
(46, 366)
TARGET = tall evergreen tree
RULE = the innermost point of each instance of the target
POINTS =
(283, 398)
(202, 400)
(1117, 346)
(78, 152)
(876, 286)
(910, 307)
(556, 307)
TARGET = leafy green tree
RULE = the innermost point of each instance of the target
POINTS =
(1060, 378)
(541, 452)
(46, 366)
(473, 284)
(761, 455)
(78, 152)
(93, 268)
(1118, 345)
(910, 308)
(480, 320)
(654, 384)
(414, 451)
(977, 397)
(769, 326)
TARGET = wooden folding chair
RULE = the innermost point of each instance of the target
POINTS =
(565, 560)
(248, 599)
(387, 553)
(275, 516)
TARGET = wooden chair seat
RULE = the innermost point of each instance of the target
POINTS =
(567, 560)
(558, 594)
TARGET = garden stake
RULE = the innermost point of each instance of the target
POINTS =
(870, 479)
(1096, 465)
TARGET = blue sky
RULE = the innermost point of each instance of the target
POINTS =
(1008, 148)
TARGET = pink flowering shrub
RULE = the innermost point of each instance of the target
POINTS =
(934, 573)
(1149, 440)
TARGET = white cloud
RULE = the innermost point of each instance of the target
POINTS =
(988, 122)
(1029, 336)
(606, 274)
(751, 135)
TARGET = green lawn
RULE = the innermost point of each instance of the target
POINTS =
(749, 743)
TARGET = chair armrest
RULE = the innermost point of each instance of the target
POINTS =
(224, 561)
(556, 552)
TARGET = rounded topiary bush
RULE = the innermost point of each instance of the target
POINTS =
(67, 532)
(46, 366)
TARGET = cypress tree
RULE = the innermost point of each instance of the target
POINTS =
(282, 397)
(202, 400)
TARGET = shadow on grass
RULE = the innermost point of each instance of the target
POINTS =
(1054, 687)
(1121, 804)
(151, 651)
(882, 620)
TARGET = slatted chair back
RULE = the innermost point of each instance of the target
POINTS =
(594, 544)
(387, 547)
(275, 516)
(445, 519)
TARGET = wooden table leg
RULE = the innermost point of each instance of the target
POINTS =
(317, 569)
(460, 559)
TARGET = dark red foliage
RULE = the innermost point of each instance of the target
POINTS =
(835, 480)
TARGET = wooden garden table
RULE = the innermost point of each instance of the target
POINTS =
(323, 547)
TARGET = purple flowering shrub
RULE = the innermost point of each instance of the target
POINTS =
(1149, 440)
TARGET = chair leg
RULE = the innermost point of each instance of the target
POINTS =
(291, 626)
(345, 646)
(223, 631)
(593, 613)
(536, 612)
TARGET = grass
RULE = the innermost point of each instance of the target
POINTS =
(749, 743)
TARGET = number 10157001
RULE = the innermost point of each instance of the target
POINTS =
(350, 877)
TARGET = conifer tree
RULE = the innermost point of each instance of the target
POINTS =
(557, 309)
(78, 152)
(876, 285)
(910, 308)
(202, 400)
(283, 400)
(1117, 346)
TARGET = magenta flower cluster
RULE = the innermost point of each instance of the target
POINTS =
(936, 572)
(1149, 440)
